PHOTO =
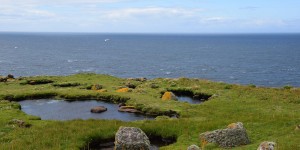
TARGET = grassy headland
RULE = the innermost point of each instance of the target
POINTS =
(268, 114)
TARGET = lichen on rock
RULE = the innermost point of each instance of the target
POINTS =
(131, 138)
(234, 135)
(169, 96)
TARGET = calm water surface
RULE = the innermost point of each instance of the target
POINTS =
(65, 110)
(261, 59)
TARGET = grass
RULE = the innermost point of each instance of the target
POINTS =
(268, 114)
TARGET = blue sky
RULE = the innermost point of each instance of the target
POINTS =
(151, 16)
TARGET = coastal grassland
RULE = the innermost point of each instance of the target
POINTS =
(267, 113)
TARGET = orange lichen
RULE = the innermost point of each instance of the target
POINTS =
(204, 142)
(168, 96)
(232, 126)
(123, 90)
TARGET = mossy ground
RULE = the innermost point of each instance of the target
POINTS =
(268, 114)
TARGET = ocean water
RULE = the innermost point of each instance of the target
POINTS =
(261, 59)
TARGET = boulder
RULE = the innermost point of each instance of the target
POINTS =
(234, 135)
(130, 85)
(131, 138)
(20, 123)
(10, 76)
(98, 109)
(193, 147)
(169, 96)
(129, 109)
(266, 145)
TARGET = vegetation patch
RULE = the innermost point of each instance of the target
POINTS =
(268, 114)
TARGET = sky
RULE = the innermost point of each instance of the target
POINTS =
(150, 16)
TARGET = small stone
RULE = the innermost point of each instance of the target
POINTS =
(266, 145)
(193, 147)
(98, 109)
(131, 138)
(130, 109)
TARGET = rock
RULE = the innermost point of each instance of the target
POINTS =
(20, 123)
(266, 145)
(131, 138)
(96, 87)
(10, 76)
(129, 109)
(193, 147)
(234, 135)
(98, 109)
(130, 85)
(121, 104)
(3, 79)
(169, 96)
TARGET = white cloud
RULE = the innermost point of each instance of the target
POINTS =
(55, 2)
(121, 14)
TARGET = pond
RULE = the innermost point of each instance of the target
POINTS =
(50, 109)
(189, 99)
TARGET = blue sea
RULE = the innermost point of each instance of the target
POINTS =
(271, 60)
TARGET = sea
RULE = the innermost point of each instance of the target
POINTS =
(271, 60)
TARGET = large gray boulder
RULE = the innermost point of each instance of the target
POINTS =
(234, 135)
(131, 138)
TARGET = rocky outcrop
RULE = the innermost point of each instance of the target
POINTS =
(193, 147)
(266, 145)
(98, 109)
(131, 138)
(234, 135)
(169, 96)
(19, 123)
(130, 109)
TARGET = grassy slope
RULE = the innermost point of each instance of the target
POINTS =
(267, 113)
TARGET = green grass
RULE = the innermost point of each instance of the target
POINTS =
(267, 113)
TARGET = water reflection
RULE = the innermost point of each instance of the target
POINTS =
(49, 109)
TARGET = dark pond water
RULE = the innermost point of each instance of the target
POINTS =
(156, 142)
(189, 99)
(49, 109)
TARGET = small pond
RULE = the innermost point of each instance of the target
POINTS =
(49, 109)
(189, 99)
